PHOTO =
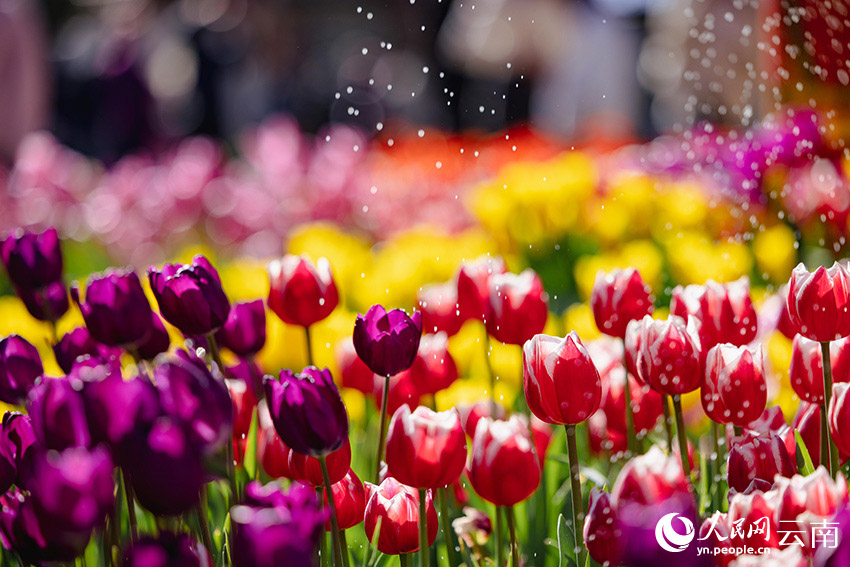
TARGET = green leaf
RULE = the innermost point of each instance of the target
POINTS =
(251, 448)
(566, 543)
(703, 486)
(804, 461)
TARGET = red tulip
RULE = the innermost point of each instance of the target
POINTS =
(350, 501)
(647, 406)
(426, 449)
(632, 343)
(746, 510)
(725, 311)
(754, 456)
(669, 357)
(305, 467)
(403, 390)
(819, 302)
(617, 298)
(440, 310)
(734, 388)
(244, 402)
(806, 372)
(397, 506)
(542, 433)
(807, 422)
(473, 286)
(518, 307)
(354, 373)
(714, 534)
(650, 478)
(504, 469)
(434, 368)
(562, 386)
(839, 417)
(470, 415)
(816, 493)
(602, 533)
(273, 453)
(301, 293)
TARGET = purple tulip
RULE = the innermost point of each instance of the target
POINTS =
(76, 343)
(387, 341)
(165, 469)
(20, 367)
(307, 411)
(115, 408)
(827, 556)
(157, 340)
(189, 393)
(17, 444)
(283, 530)
(190, 297)
(116, 310)
(244, 332)
(58, 414)
(32, 260)
(72, 490)
(49, 303)
(167, 550)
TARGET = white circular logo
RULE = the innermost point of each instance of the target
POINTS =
(667, 536)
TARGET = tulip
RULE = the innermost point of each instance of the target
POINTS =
(714, 534)
(354, 373)
(747, 509)
(735, 389)
(649, 478)
(387, 341)
(646, 406)
(49, 303)
(440, 310)
(309, 469)
(301, 293)
(285, 528)
(617, 298)
(542, 433)
(20, 368)
(473, 528)
(725, 311)
(434, 368)
(839, 417)
(307, 411)
(17, 446)
(518, 307)
(397, 507)
(157, 341)
(22, 531)
(190, 296)
(189, 393)
(470, 415)
(167, 550)
(426, 449)
(632, 345)
(273, 453)
(244, 404)
(116, 310)
(639, 523)
(403, 390)
(32, 260)
(602, 529)
(244, 332)
(806, 372)
(669, 357)
(757, 457)
(165, 468)
(819, 302)
(79, 343)
(350, 498)
(473, 286)
(58, 414)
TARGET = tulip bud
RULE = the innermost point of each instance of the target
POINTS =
(20, 367)
(618, 298)
(650, 478)
(839, 417)
(76, 343)
(167, 550)
(49, 303)
(116, 310)
(32, 260)
(17, 445)
(473, 286)
(757, 457)
(806, 371)
(285, 525)
(350, 500)
(34, 541)
(725, 311)
(397, 507)
(602, 530)
(746, 510)
(470, 415)
(561, 383)
(735, 389)
(272, 452)
(58, 414)
(190, 296)
(301, 293)
(244, 332)
(354, 373)
(157, 341)
(434, 369)
(504, 469)
(307, 411)
(669, 358)
(518, 307)
(387, 341)
(306, 468)
(819, 302)
(632, 344)
(439, 306)
(426, 449)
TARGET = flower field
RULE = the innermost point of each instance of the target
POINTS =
(429, 349)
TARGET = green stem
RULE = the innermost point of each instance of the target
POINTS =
(737, 430)
(326, 477)
(423, 528)
(497, 537)
(309, 340)
(131, 506)
(343, 547)
(827, 396)
(404, 560)
(382, 434)
(630, 420)
(682, 436)
(490, 371)
(215, 354)
(203, 525)
(575, 482)
(323, 539)
(509, 513)
(665, 404)
(451, 553)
